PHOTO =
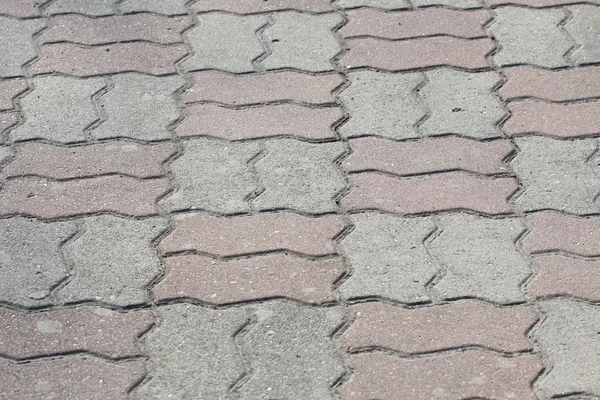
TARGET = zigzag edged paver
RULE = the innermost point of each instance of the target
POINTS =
(93, 8)
(5, 153)
(584, 29)
(20, 8)
(7, 121)
(249, 7)
(538, 3)
(383, 4)
(165, 7)
(9, 89)
(16, 41)
(463, 4)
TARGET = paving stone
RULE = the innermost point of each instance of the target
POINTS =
(387, 258)
(531, 116)
(225, 42)
(108, 59)
(538, 3)
(192, 353)
(262, 88)
(165, 7)
(113, 261)
(131, 159)
(561, 85)
(292, 353)
(584, 28)
(529, 36)
(147, 27)
(300, 176)
(552, 231)
(85, 7)
(7, 120)
(568, 338)
(417, 53)
(556, 175)
(20, 8)
(139, 106)
(262, 277)
(42, 198)
(561, 275)
(383, 4)
(16, 40)
(54, 97)
(382, 104)
(249, 123)
(90, 329)
(468, 374)
(248, 7)
(260, 233)
(415, 157)
(214, 176)
(449, 191)
(302, 41)
(449, 3)
(5, 153)
(31, 259)
(9, 89)
(480, 258)
(426, 22)
(448, 326)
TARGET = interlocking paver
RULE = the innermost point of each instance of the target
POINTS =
(383, 4)
(16, 44)
(249, 123)
(468, 374)
(584, 28)
(9, 89)
(225, 42)
(113, 261)
(302, 41)
(5, 153)
(300, 176)
(292, 353)
(555, 175)
(20, 8)
(538, 3)
(418, 330)
(247, 7)
(165, 7)
(221, 166)
(264, 232)
(90, 329)
(85, 7)
(480, 258)
(449, 3)
(261, 277)
(192, 353)
(7, 120)
(568, 338)
(31, 259)
(70, 378)
(529, 36)
(52, 98)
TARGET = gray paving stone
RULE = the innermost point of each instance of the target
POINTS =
(568, 338)
(556, 175)
(480, 258)
(383, 4)
(31, 260)
(225, 42)
(192, 353)
(86, 7)
(465, 4)
(382, 104)
(300, 176)
(584, 27)
(5, 153)
(302, 41)
(113, 261)
(213, 175)
(529, 36)
(292, 353)
(139, 107)
(387, 258)
(58, 109)
(462, 103)
(165, 7)
(16, 44)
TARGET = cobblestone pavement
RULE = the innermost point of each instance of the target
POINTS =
(300, 199)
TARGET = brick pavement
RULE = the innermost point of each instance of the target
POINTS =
(315, 199)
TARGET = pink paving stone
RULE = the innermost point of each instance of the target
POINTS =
(42, 198)
(261, 88)
(9, 89)
(73, 59)
(576, 119)
(538, 3)
(561, 85)
(417, 53)
(258, 6)
(254, 234)
(449, 191)
(260, 277)
(561, 275)
(70, 378)
(148, 27)
(448, 326)
(552, 231)
(57, 162)
(461, 375)
(21, 8)
(411, 24)
(274, 120)
(424, 156)
(90, 329)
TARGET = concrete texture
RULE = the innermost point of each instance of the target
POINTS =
(382, 4)
(584, 28)
(165, 7)
(15, 40)
(85, 7)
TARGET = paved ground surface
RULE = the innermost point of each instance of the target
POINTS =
(299, 199)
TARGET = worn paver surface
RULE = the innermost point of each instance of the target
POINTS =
(300, 199)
